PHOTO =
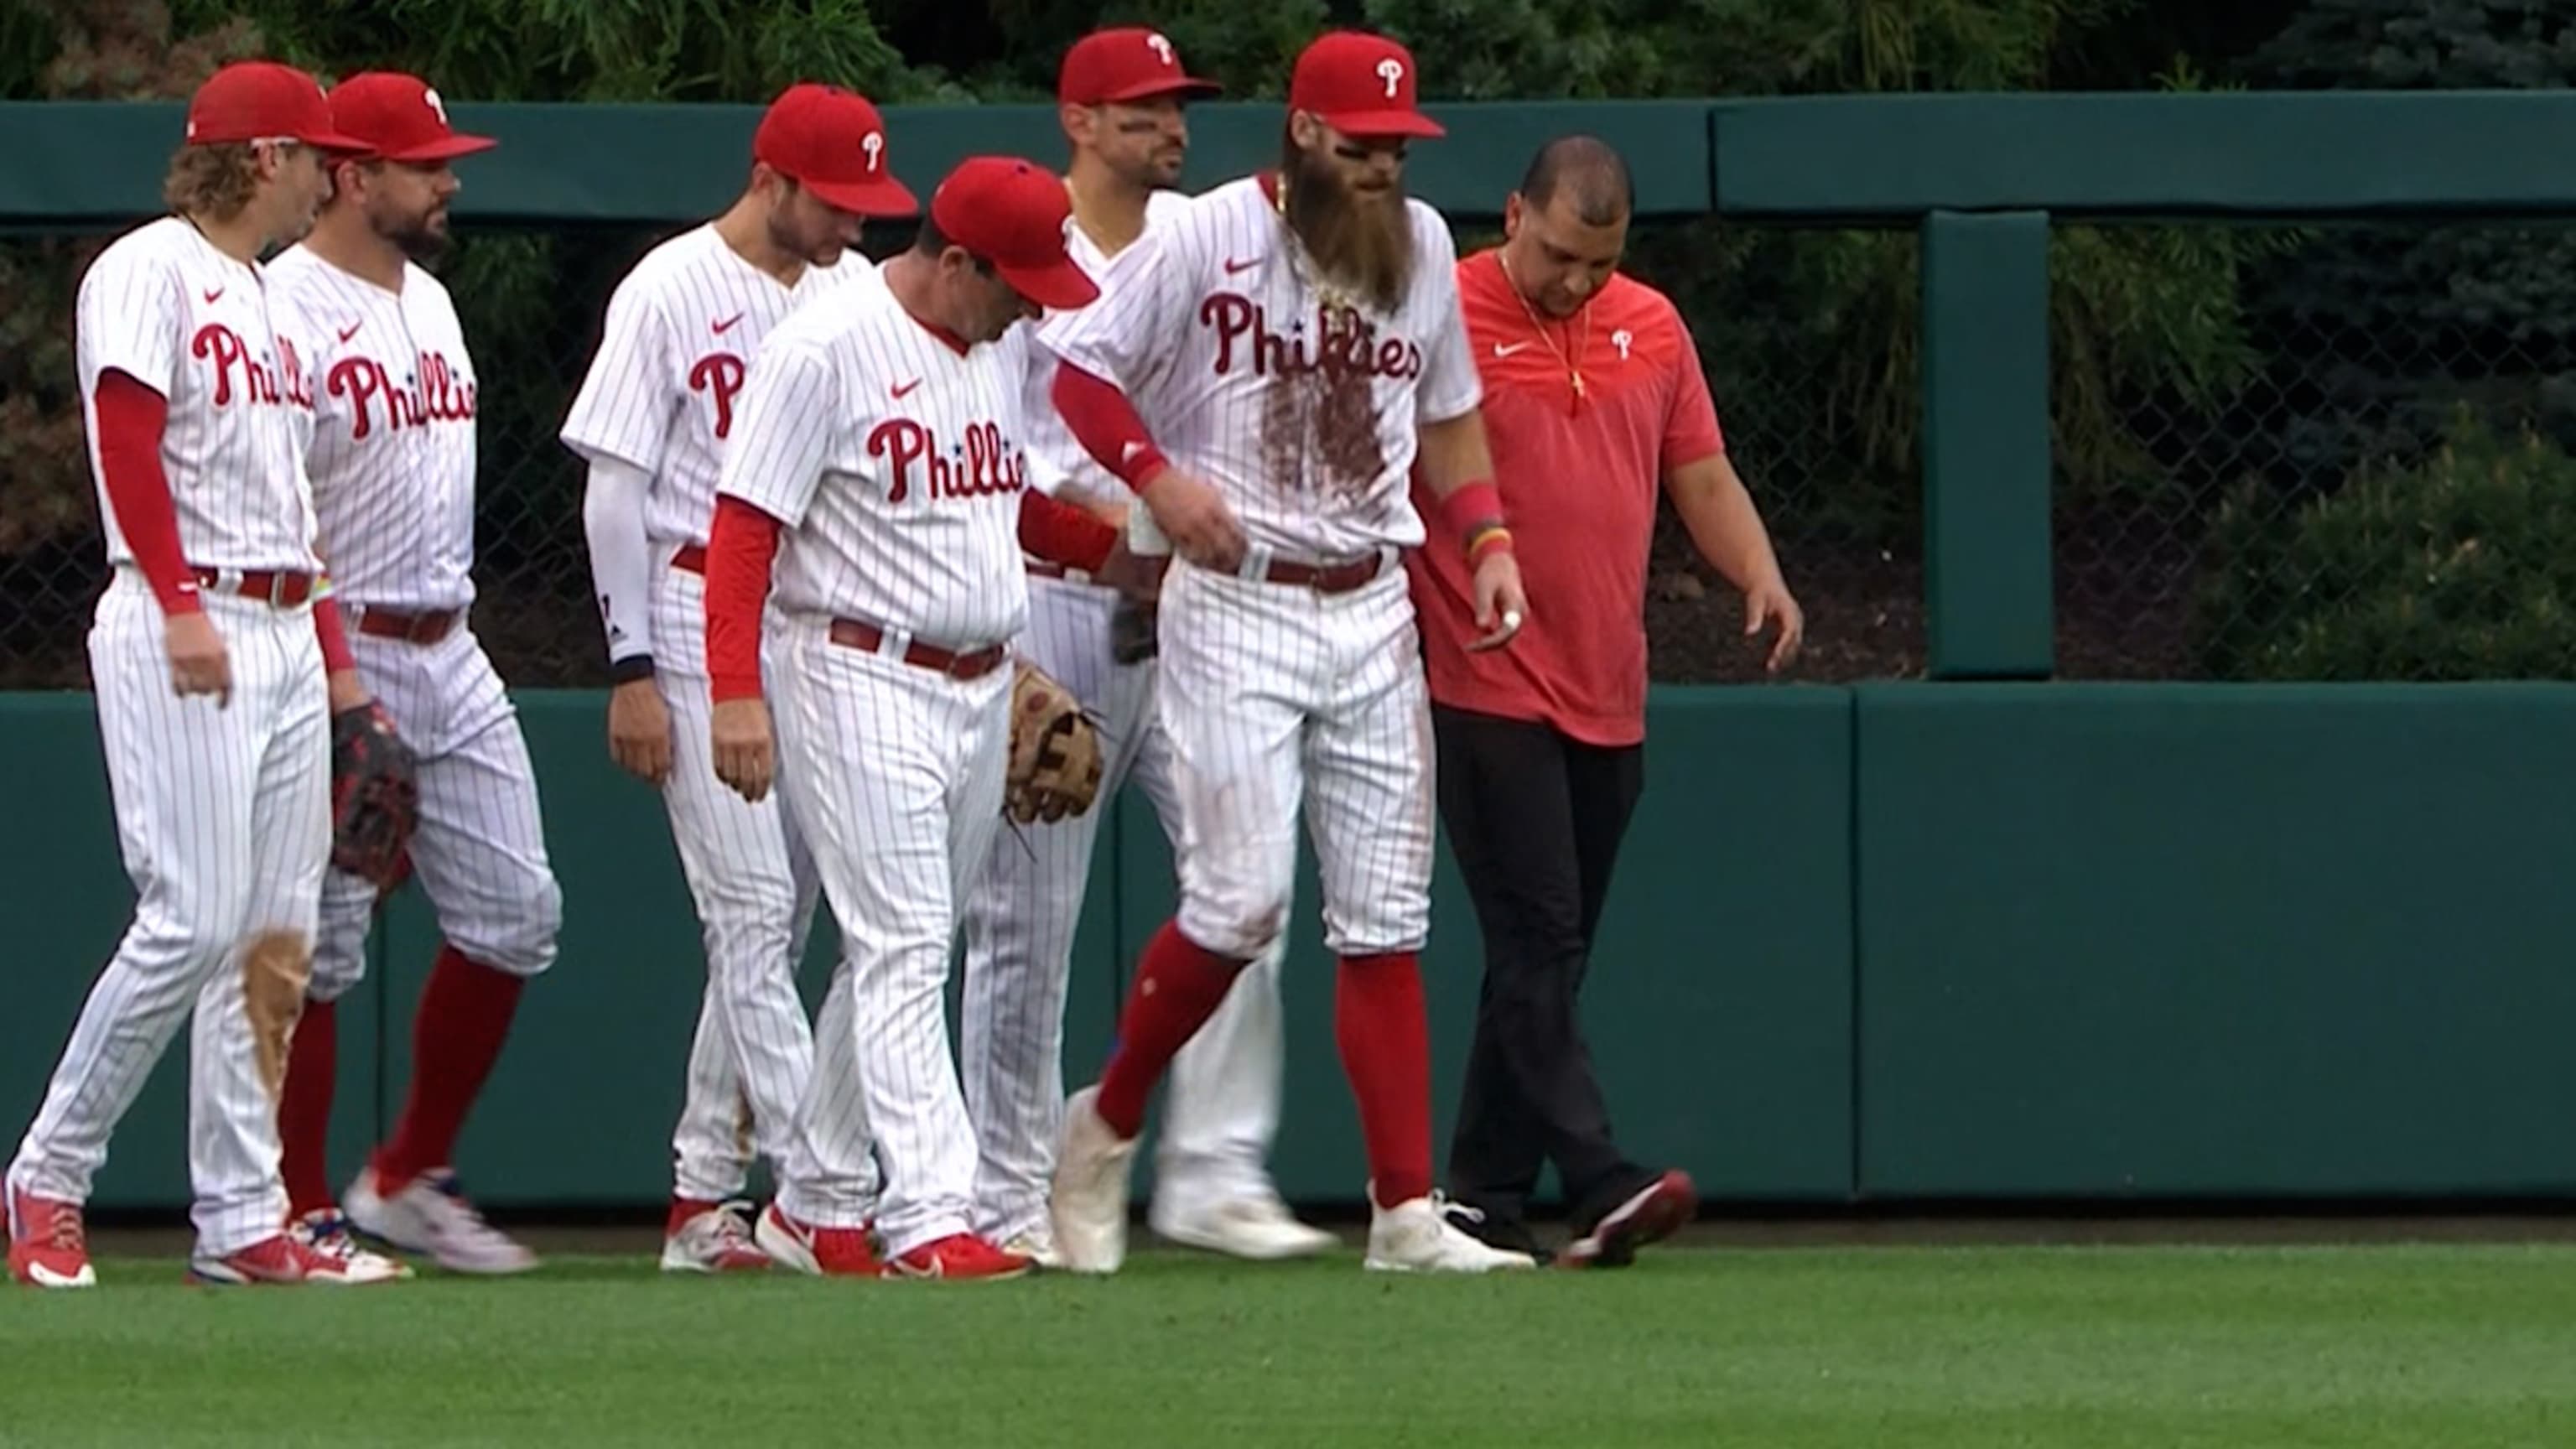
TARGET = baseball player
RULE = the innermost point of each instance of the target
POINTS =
(882, 439)
(214, 707)
(1121, 93)
(392, 466)
(1289, 343)
(655, 419)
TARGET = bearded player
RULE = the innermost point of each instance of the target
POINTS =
(1263, 369)
(393, 468)
(214, 702)
(1121, 93)
(655, 419)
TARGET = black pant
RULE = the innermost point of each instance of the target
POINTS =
(1534, 820)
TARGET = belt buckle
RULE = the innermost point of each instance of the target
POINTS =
(277, 588)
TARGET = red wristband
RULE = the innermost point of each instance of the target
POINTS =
(1472, 506)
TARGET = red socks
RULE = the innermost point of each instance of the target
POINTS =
(1178, 986)
(464, 1015)
(1385, 1036)
(304, 1117)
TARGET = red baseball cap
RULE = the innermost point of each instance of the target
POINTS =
(258, 100)
(1014, 213)
(398, 117)
(833, 143)
(1360, 85)
(1125, 63)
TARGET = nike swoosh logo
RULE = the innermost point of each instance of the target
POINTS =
(352, 329)
(1501, 351)
(213, 292)
(1128, 453)
(902, 388)
(727, 323)
(1232, 266)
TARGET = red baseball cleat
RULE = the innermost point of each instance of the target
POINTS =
(824, 1252)
(710, 1237)
(285, 1259)
(48, 1248)
(960, 1255)
(1655, 1212)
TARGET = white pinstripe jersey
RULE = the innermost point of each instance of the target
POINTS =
(664, 392)
(393, 454)
(1054, 454)
(1304, 420)
(894, 457)
(195, 325)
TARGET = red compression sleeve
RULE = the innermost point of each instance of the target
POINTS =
(328, 627)
(131, 417)
(1105, 423)
(1061, 533)
(739, 550)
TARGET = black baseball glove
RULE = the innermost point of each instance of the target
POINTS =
(375, 796)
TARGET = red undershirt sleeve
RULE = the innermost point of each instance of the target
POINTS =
(328, 628)
(740, 549)
(1061, 533)
(131, 417)
(1102, 419)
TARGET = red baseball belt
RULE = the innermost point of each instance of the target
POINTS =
(862, 635)
(270, 586)
(426, 627)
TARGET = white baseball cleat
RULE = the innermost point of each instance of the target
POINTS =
(715, 1240)
(286, 1259)
(429, 1216)
(325, 1233)
(1415, 1237)
(1037, 1245)
(1089, 1199)
(1254, 1225)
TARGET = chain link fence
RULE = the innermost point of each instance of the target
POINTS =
(2368, 485)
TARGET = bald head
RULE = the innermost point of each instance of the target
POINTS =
(1588, 173)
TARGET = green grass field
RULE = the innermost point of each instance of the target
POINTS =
(2408, 1346)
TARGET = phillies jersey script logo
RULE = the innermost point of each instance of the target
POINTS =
(436, 397)
(720, 374)
(283, 384)
(983, 467)
(1347, 343)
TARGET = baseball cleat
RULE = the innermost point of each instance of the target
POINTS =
(957, 1256)
(325, 1232)
(1416, 1237)
(822, 1252)
(711, 1238)
(1655, 1212)
(1254, 1225)
(48, 1246)
(284, 1259)
(1089, 1200)
(431, 1217)
(1037, 1245)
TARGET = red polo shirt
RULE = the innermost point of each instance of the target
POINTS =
(1579, 483)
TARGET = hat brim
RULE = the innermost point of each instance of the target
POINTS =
(1188, 88)
(888, 197)
(1061, 284)
(1366, 125)
(446, 148)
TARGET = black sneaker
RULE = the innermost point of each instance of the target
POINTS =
(1650, 1214)
(1509, 1235)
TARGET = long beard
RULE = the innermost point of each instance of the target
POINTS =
(1361, 241)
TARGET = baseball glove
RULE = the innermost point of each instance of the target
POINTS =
(375, 797)
(1055, 752)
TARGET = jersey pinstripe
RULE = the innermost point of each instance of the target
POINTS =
(1053, 453)
(664, 391)
(1303, 417)
(393, 452)
(188, 321)
(896, 459)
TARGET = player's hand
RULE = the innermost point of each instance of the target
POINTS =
(1193, 515)
(1768, 602)
(198, 661)
(639, 730)
(1501, 607)
(745, 758)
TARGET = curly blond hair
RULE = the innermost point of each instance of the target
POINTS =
(215, 182)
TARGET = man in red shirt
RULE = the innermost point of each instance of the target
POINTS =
(1595, 398)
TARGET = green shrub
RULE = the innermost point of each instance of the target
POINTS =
(2462, 567)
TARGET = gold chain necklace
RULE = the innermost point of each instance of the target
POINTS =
(1573, 365)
